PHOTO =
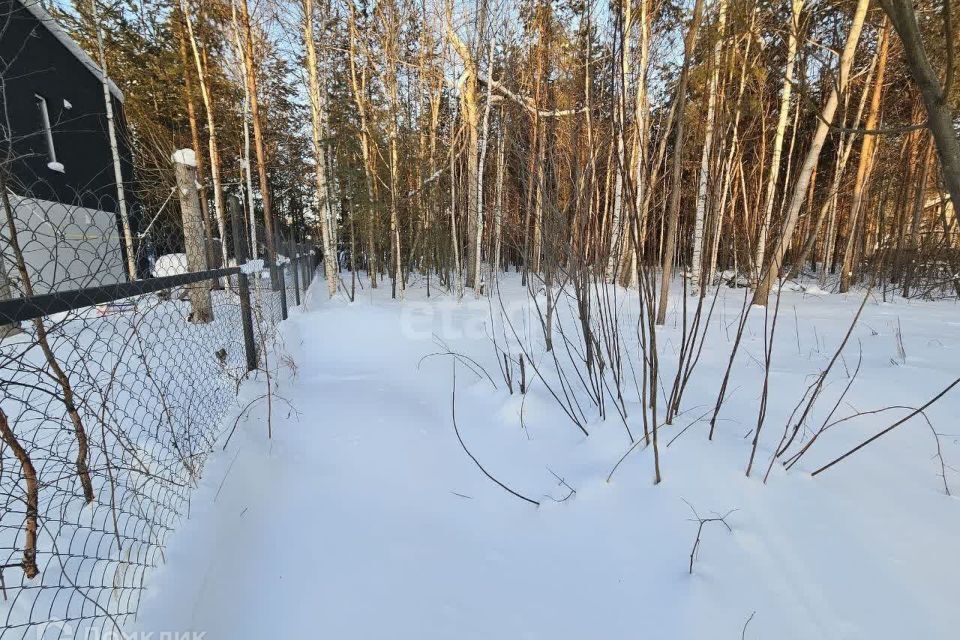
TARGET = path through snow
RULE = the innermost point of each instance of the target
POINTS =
(348, 523)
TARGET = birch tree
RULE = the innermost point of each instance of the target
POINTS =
(212, 145)
(626, 25)
(772, 267)
(251, 82)
(317, 118)
(696, 262)
(673, 215)
(865, 164)
(114, 152)
(796, 7)
(467, 87)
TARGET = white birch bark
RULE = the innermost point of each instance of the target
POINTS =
(696, 263)
(467, 88)
(457, 271)
(641, 119)
(498, 209)
(317, 117)
(114, 151)
(762, 291)
(211, 133)
(485, 133)
(245, 161)
(796, 6)
(614, 256)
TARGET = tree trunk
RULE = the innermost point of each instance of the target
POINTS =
(478, 222)
(31, 498)
(498, 207)
(939, 112)
(471, 116)
(865, 164)
(673, 216)
(114, 152)
(317, 117)
(641, 144)
(775, 261)
(245, 162)
(213, 148)
(195, 141)
(796, 6)
(700, 214)
(620, 131)
(251, 81)
(185, 165)
(358, 83)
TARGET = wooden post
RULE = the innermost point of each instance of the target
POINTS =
(185, 164)
(243, 284)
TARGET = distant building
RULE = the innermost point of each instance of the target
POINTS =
(57, 149)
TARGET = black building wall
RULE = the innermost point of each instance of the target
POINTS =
(34, 62)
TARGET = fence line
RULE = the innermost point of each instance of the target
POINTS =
(111, 398)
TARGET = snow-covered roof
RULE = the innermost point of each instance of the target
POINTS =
(41, 14)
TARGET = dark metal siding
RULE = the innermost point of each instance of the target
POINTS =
(34, 62)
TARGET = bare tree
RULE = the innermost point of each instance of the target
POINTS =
(771, 269)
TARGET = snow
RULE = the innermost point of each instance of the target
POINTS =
(184, 156)
(106, 349)
(251, 267)
(171, 264)
(364, 518)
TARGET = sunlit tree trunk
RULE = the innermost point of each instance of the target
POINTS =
(213, 147)
(195, 141)
(865, 164)
(114, 151)
(696, 263)
(620, 131)
(940, 116)
(772, 269)
(796, 6)
(358, 84)
(317, 118)
(673, 214)
(258, 141)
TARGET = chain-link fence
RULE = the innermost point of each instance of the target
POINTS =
(116, 372)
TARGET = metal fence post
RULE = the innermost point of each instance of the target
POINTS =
(307, 261)
(243, 285)
(12, 328)
(303, 271)
(294, 268)
(271, 259)
(280, 279)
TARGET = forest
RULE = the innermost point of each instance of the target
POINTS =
(489, 319)
(735, 142)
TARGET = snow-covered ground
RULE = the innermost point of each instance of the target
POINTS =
(363, 517)
(152, 390)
